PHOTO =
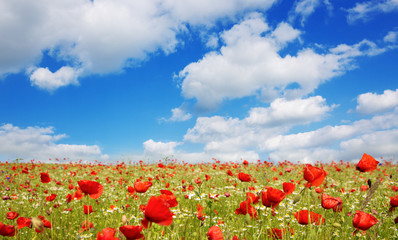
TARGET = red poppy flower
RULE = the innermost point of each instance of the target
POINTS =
(142, 187)
(364, 188)
(169, 198)
(198, 181)
(86, 225)
(107, 234)
(252, 197)
(45, 178)
(51, 197)
(394, 201)
(25, 170)
(244, 177)
(215, 233)
(275, 196)
(363, 221)
(132, 232)
(157, 211)
(329, 202)
(69, 198)
(43, 223)
(7, 230)
(92, 188)
(245, 207)
(367, 163)
(24, 222)
(200, 215)
(229, 172)
(78, 194)
(264, 199)
(314, 175)
(304, 217)
(87, 209)
(272, 197)
(131, 190)
(288, 187)
(12, 215)
(318, 190)
(277, 233)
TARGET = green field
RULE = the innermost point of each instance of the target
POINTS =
(207, 185)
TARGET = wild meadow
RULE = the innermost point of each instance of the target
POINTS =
(178, 200)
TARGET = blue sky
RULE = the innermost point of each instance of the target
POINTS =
(119, 80)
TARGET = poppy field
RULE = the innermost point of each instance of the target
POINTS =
(178, 200)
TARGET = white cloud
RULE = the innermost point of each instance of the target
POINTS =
(379, 143)
(207, 11)
(41, 144)
(294, 112)
(307, 155)
(102, 36)
(370, 103)
(159, 149)
(45, 79)
(250, 62)
(328, 135)
(303, 9)
(285, 33)
(365, 10)
(212, 41)
(221, 134)
(267, 134)
(178, 115)
(391, 37)
(363, 48)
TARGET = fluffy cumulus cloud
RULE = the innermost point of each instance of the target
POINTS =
(247, 136)
(44, 78)
(380, 143)
(249, 63)
(293, 112)
(369, 103)
(102, 36)
(154, 150)
(266, 132)
(365, 10)
(178, 115)
(41, 144)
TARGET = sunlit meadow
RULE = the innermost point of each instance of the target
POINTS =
(208, 194)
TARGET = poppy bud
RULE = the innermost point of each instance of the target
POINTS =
(297, 199)
(336, 225)
(369, 183)
(124, 219)
(247, 218)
